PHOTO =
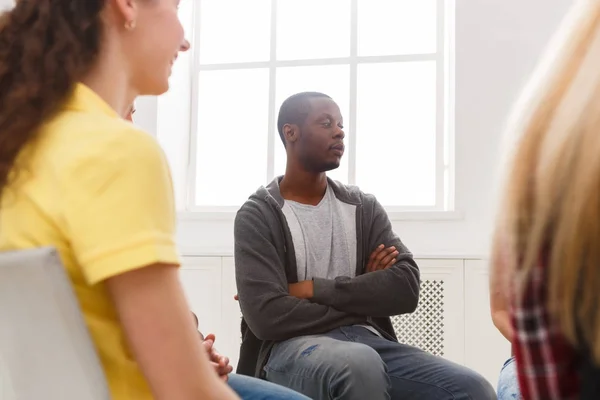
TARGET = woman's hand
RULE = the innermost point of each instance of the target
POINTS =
(220, 363)
(155, 319)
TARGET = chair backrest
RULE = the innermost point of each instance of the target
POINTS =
(45, 348)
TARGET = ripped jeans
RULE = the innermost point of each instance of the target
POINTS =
(353, 363)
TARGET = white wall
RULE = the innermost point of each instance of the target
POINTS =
(146, 110)
(497, 45)
(4, 4)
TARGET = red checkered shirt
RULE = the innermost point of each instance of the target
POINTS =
(547, 364)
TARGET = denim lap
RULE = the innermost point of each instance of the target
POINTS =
(353, 363)
(508, 382)
(249, 388)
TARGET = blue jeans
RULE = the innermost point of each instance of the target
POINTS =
(256, 389)
(508, 383)
(353, 363)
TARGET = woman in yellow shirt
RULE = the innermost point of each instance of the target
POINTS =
(74, 175)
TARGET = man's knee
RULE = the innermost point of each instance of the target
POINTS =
(341, 361)
(356, 371)
(476, 386)
(333, 368)
(359, 362)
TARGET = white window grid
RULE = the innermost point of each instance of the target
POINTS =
(444, 58)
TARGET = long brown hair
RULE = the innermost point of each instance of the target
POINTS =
(551, 207)
(45, 48)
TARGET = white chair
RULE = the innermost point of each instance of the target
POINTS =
(45, 348)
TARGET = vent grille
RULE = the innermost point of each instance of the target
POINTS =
(425, 327)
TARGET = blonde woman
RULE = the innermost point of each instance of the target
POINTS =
(548, 230)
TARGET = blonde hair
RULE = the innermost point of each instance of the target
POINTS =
(551, 195)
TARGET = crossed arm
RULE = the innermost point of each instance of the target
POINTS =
(381, 258)
(277, 310)
(391, 283)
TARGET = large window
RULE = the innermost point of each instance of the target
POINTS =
(385, 62)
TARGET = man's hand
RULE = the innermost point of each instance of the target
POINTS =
(301, 290)
(382, 258)
(219, 362)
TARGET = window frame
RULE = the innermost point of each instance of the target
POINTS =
(444, 209)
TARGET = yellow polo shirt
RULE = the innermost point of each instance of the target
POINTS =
(100, 191)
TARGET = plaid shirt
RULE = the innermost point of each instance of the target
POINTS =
(547, 364)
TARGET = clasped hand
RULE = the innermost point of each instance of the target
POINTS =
(219, 362)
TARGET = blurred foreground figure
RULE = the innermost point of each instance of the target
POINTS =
(77, 177)
(548, 232)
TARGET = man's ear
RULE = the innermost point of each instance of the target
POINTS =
(291, 133)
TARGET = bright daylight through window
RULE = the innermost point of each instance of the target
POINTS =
(387, 63)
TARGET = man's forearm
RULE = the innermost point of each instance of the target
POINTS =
(302, 290)
(383, 301)
(382, 293)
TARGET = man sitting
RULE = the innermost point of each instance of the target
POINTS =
(319, 272)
